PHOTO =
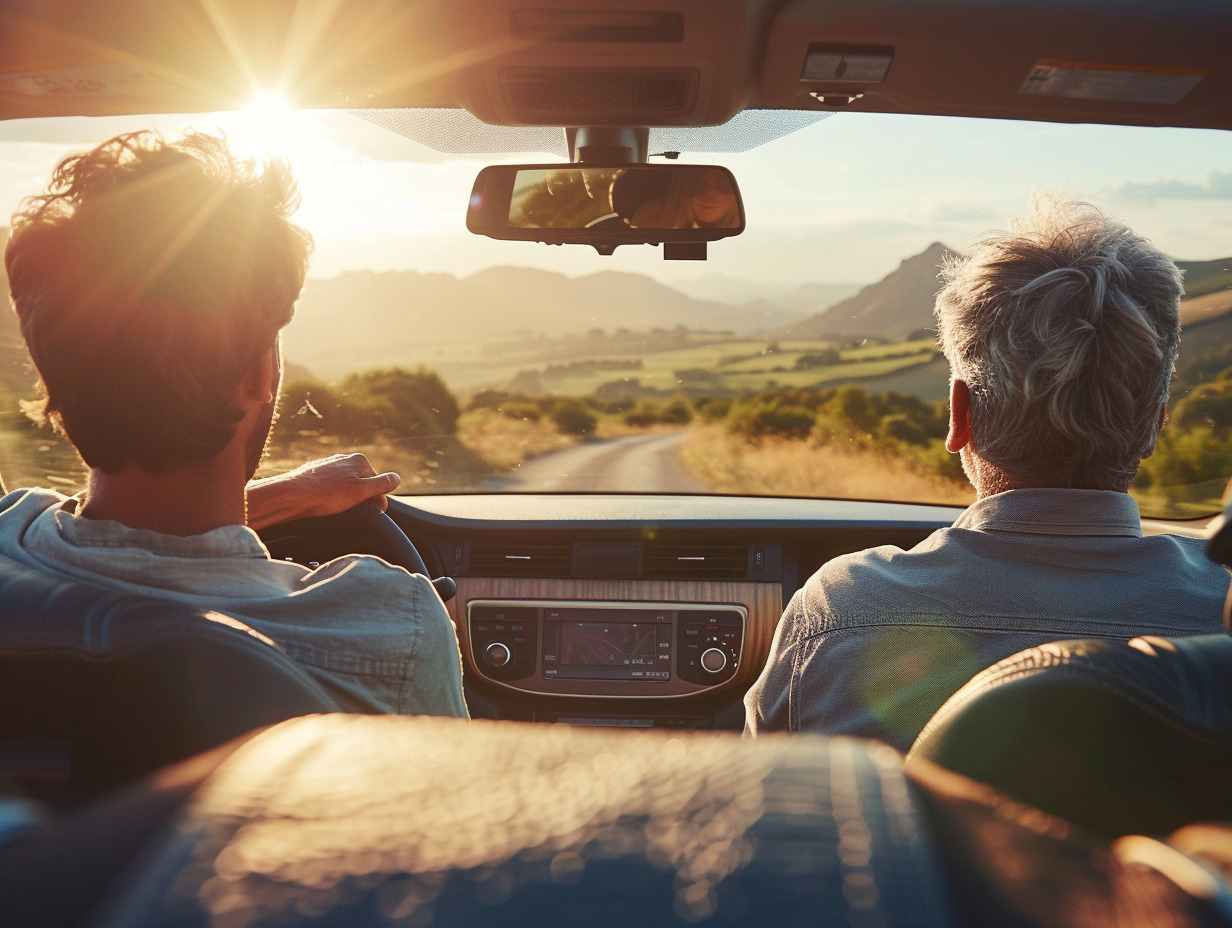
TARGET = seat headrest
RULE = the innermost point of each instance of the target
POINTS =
(1119, 737)
(120, 685)
(1219, 538)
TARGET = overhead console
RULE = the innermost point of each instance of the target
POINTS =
(669, 63)
(606, 649)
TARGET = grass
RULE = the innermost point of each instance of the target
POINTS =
(486, 445)
(505, 443)
(783, 467)
(449, 466)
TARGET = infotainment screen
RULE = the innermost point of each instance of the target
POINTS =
(598, 644)
(607, 644)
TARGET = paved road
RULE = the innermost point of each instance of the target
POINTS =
(638, 464)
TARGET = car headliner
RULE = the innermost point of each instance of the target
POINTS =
(952, 57)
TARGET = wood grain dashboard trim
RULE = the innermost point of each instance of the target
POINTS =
(764, 602)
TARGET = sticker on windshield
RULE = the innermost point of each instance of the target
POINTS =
(103, 79)
(1122, 83)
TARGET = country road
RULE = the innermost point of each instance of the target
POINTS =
(638, 464)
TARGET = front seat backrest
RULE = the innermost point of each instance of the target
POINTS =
(99, 687)
(1118, 737)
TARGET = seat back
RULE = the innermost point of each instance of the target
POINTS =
(1119, 737)
(634, 189)
(99, 687)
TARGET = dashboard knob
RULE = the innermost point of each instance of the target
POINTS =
(713, 660)
(498, 654)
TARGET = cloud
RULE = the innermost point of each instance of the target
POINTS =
(1217, 185)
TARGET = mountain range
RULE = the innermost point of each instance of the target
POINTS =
(897, 307)
(397, 315)
(363, 319)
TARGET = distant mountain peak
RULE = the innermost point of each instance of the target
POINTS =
(894, 308)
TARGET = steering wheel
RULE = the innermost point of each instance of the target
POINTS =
(361, 530)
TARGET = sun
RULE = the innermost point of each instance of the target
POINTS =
(268, 125)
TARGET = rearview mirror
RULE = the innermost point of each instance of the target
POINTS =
(606, 206)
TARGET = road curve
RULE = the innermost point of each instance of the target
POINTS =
(637, 464)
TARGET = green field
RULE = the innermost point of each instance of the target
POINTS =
(711, 364)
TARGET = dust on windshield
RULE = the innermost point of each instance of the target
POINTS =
(798, 361)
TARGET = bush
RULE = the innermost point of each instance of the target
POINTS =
(393, 403)
(489, 399)
(611, 405)
(677, 411)
(644, 413)
(1208, 407)
(852, 406)
(404, 403)
(1185, 462)
(823, 358)
(523, 410)
(759, 417)
(571, 417)
(902, 427)
(713, 408)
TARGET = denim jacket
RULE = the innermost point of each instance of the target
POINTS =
(877, 640)
(376, 637)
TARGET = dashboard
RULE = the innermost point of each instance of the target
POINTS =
(632, 611)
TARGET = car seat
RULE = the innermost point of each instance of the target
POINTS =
(98, 687)
(1120, 737)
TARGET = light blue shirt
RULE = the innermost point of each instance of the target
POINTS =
(375, 636)
(877, 640)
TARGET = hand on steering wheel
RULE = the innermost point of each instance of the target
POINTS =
(363, 529)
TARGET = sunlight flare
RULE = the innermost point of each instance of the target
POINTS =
(269, 125)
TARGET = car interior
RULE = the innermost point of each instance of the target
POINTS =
(165, 765)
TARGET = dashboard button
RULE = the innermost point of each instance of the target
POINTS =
(498, 654)
(713, 660)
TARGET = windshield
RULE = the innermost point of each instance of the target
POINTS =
(799, 360)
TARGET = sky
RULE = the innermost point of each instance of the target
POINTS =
(841, 201)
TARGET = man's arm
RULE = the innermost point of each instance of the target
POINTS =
(824, 678)
(767, 704)
(319, 488)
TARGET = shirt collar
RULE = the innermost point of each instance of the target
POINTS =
(227, 541)
(1055, 512)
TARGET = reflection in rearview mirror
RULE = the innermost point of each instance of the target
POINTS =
(633, 197)
(681, 206)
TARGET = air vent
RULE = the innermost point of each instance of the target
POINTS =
(521, 560)
(697, 562)
(574, 93)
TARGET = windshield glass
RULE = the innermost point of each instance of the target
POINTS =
(799, 360)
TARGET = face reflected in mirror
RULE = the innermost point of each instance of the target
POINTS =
(714, 201)
(651, 197)
(694, 198)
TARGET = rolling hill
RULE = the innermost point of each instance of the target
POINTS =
(1203, 277)
(364, 319)
(893, 309)
(399, 317)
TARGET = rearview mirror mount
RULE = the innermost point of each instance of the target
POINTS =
(605, 207)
